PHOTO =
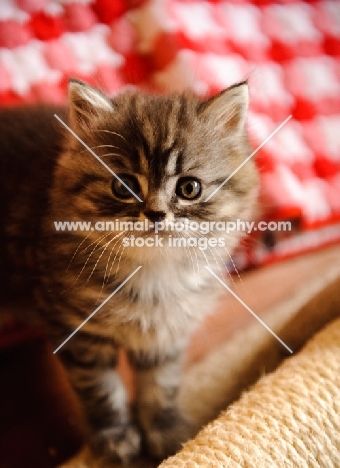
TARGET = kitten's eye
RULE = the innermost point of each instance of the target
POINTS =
(119, 189)
(188, 188)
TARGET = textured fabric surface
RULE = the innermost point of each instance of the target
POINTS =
(298, 404)
(289, 52)
(289, 418)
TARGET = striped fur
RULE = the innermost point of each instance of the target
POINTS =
(66, 275)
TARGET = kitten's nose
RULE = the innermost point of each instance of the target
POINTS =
(155, 216)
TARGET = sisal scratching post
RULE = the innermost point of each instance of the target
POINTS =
(290, 418)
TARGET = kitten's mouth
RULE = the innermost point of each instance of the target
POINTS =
(152, 232)
(152, 228)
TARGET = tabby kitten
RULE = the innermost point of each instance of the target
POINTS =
(172, 152)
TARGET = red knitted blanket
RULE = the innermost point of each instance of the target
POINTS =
(289, 51)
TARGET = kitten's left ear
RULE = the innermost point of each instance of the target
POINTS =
(229, 108)
(86, 104)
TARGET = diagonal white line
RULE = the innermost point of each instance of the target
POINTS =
(249, 310)
(248, 158)
(99, 307)
(98, 158)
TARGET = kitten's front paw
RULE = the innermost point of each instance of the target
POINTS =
(112, 444)
(168, 432)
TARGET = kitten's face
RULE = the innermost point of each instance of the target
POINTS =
(172, 152)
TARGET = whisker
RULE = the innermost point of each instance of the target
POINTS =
(106, 267)
(106, 276)
(114, 133)
(224, 262)
(111, 146)
(236, 270)
(109, 154)
(96, 241)
(217, 263)
(100, 256)
(189, 252)
(116, 273)
(234, 266)
(120, 257)
(202, 252)
(84, 266)
(75, 253)
(193, 249)
(207, 261)
(197, 264)
(113, 261)
(189, 255)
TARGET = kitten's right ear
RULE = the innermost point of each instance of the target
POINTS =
(86, 104)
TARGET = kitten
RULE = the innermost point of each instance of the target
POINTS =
(172, 152)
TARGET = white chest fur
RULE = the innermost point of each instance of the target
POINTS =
(160, 304)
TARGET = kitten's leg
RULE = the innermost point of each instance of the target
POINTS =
(103, 395)
(157, 396)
